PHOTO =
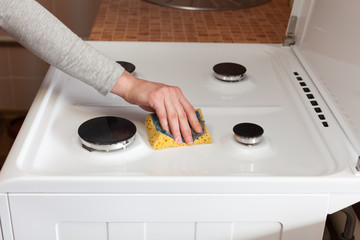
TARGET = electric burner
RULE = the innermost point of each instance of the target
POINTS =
(106, 133)
(229, 72)
(248, 133)
(129, 67)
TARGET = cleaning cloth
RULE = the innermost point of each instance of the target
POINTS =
(160, 138)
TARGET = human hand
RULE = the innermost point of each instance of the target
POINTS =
(173, 109)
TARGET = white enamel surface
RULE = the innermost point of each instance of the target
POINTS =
(154, 216)
(327, 43)
(292, 145)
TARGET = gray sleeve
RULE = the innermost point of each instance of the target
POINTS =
(44, 35)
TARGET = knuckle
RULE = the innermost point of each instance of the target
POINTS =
(177, 90)
(172, 90)
(183, 116)
(173, 116)
(161, 115)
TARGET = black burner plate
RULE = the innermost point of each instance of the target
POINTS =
(106, 130)
(229, 69)
(248, 133)
(128, 66)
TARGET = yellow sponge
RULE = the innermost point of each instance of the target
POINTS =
(159, 138)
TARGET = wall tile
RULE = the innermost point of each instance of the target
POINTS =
(78, 15)
(48, 4)
(138, 20)
(3, 34)
(25, 90)
(6, 96)
(25, 64)
(4, 61)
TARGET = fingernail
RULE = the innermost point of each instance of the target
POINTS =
(189, 140)
(179, 141)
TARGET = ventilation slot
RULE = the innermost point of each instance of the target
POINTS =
(311, 98)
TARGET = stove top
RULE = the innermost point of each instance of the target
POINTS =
(270, 96)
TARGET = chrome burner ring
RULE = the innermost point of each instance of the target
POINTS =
(106, 147)
(229, 78)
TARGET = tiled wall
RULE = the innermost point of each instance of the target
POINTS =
(138, 20)
(21, 73)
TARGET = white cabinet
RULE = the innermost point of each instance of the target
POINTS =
(163, 217)
(259, 230)
(128, 231)
(238, 231)
(151, 231)
(81, 230)
(165, 231)
(173, 231)
(214, 231)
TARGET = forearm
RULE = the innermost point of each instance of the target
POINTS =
(43, 34)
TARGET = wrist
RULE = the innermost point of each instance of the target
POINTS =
(123, 85)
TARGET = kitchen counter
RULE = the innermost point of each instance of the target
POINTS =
(137, 20)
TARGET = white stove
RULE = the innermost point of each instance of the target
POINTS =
(268, 96)
(281, 188)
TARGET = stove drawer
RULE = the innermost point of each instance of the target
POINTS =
(163, 217)
(168, 230)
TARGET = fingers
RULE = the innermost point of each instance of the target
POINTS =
(178, 123)
(162, 115)
(179, 113)
(185, 128)
(191, 116)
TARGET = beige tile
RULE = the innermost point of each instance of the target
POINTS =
(26, 65)
(25, 91)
